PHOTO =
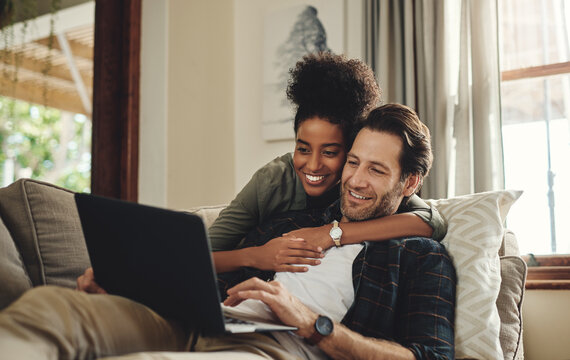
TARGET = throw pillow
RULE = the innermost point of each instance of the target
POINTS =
(509, 305)
(474, 235)
(44, 223)
(13, 278)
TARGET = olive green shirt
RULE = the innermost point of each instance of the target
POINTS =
(276, 188)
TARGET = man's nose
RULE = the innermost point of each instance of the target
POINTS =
(358, 178)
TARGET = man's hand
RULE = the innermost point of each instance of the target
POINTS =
(316, 236)
(86, 283)
(285, 254)
(290, 310)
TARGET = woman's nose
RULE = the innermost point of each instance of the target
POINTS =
(314, 162)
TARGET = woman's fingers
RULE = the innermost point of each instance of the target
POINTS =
(297, 243)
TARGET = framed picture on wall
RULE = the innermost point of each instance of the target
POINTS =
(290, 33)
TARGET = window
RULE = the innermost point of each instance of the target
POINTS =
(535, 101)
(46, 63)
(44, 143)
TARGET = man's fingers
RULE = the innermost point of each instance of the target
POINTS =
(251, 284)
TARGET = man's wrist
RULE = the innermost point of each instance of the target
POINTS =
(322, 328)
(306, 329)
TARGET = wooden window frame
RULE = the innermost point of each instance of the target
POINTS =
(116, 69)
(550, 272)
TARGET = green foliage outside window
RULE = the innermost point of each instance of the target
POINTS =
(45, 144)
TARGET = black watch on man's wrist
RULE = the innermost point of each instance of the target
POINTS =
(323, 327)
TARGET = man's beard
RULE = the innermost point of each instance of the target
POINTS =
(387, 205)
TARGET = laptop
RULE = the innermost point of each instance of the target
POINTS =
(160, 258)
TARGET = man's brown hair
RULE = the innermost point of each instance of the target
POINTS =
(416, 156)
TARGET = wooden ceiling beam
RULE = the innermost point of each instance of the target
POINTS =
(58, 71)
(77, 48)
(34, 93)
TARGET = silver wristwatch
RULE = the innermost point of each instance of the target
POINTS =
(336, 234)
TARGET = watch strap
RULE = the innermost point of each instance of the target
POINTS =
(320, 331)
(336, 239)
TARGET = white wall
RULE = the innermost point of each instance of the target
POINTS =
(187, 103)
(546, 324)
(251, 151)
(201, 97)
(153, 99)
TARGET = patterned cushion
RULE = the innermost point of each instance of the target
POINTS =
(44, 223)
(475, 231)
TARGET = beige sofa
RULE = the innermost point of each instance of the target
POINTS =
(41, 243)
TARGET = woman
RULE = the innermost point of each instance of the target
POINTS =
(331, 94)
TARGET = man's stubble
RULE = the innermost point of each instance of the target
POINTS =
(387, 205)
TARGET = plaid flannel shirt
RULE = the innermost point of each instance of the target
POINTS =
(404, 288)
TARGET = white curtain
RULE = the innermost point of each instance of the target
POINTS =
(441, 57)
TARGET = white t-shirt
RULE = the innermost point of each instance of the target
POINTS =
(326, 289)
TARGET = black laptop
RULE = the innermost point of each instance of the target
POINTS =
(160, 258)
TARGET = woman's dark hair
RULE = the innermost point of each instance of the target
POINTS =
(334, 88)
(416, 157)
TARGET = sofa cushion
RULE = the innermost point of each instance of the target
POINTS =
(509, 304)
(13, 278)
(474, 236)
(44, 223)
(207, 213)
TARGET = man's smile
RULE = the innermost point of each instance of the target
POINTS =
(358, 196)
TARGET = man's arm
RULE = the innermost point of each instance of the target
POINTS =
(343, 343)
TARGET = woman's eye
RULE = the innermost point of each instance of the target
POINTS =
(330, 153)
(302, 150)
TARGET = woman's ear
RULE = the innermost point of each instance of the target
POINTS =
(411, 184)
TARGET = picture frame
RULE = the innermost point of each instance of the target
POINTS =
(291, 32)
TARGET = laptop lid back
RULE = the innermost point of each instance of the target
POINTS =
(158, 257)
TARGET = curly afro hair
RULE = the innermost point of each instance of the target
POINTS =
(333, 87)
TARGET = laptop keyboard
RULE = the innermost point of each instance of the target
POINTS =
(231, 320)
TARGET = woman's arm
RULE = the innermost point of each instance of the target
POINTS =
(415, 218)
(272, 189)
(380, 229)
(427, 213)
(278, 254)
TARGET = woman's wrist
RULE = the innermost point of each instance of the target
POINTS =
(247, 257)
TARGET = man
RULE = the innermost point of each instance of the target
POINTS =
(390, 299)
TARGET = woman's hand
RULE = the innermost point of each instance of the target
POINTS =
(316, 236)
(86, 283)
(285, 254)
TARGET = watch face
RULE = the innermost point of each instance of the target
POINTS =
(336, 232)
(324, 325)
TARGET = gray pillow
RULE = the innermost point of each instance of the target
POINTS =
(44, 223)
(13, 278)
(509, 304)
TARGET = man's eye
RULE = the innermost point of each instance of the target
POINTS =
(377, 171)
(352, 163)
